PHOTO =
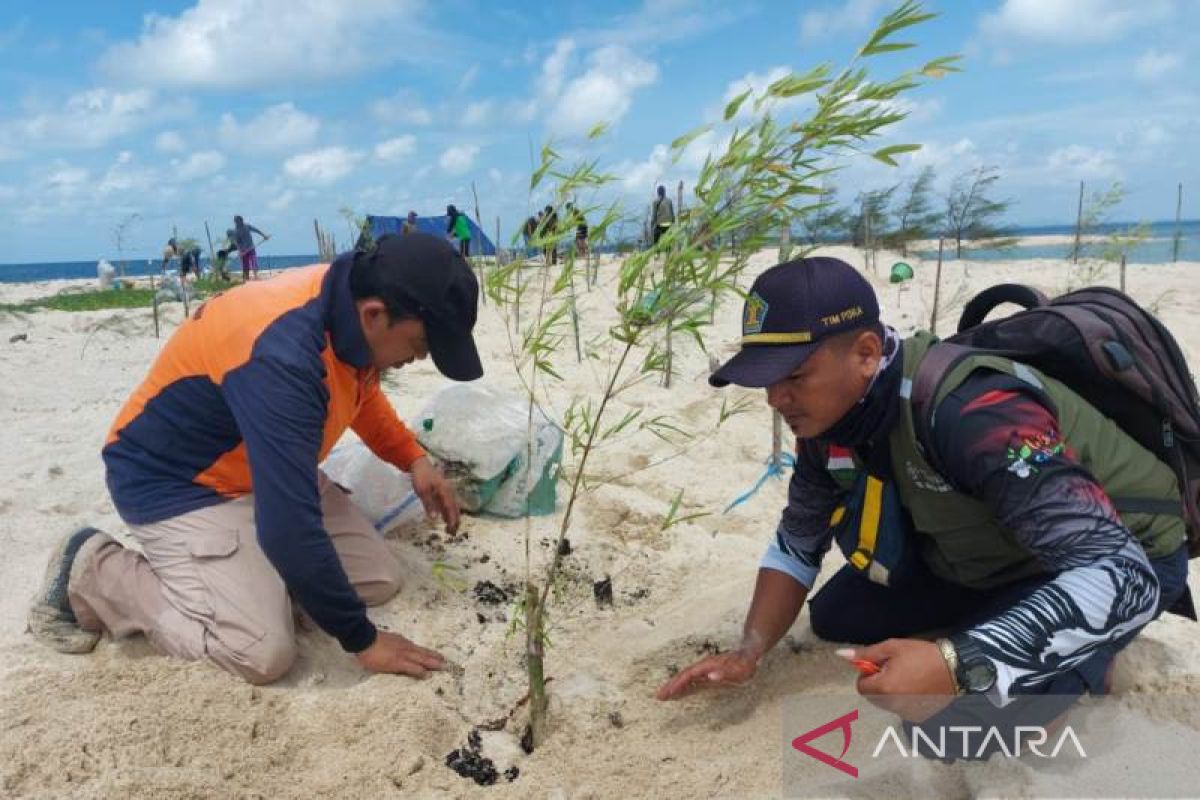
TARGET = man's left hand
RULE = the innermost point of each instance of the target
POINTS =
(913, 682)
(435, 492)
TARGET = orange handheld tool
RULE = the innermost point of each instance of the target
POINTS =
(865, 667)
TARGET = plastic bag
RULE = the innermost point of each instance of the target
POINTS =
(171, 288)
(480, 435)
(381, 491)
(106, 273)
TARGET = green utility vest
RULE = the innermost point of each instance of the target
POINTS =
(957, 536)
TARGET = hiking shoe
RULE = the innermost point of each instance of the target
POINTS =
(52, 621)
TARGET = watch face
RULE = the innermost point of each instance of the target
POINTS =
(980, 676)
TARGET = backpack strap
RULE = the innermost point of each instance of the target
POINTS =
(937, 363)
(981, 305)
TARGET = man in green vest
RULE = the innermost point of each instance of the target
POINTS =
(1009, 548)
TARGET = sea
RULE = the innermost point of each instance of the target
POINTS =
(1156, 248)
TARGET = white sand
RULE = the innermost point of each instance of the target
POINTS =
(126, 722)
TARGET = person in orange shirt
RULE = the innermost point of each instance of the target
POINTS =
(213, 464)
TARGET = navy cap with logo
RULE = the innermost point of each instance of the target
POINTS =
(439, 284)
(790, 308)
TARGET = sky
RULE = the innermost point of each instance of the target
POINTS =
(290, 110)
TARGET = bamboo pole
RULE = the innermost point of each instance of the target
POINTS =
(1078, 227)
(154, 296)
(937, 287)
(212, 253)
(479, 222)
(776, 440)
(1178, 230)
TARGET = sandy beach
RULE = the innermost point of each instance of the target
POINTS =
(126, 722)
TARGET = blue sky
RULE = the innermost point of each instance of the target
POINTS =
(286, 110)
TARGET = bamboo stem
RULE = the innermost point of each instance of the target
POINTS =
(535, 665)
(937, 288)
(1178, 230)
(154, 295)
(1078, 227)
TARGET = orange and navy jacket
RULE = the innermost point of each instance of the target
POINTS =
(248, 396)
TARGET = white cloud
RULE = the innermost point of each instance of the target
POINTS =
(125, 176)
(402, 108)
(496, 175)
(253, 43)
(279, 128)
(1071, 21)
(322, 167)
(657, 22)
(1146, 138)
(282, 201)
(1079, 161)
(169, 142)
(603, 93)
(95, 117)
(458, 158)
(640, 177)
(396, 149)
(1154, 64)
(478, 113)
(64, 178)
(468, 78)
(198, 165)
(554, 68)
(853, 16)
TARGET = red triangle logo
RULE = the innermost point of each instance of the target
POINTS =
(843, 723)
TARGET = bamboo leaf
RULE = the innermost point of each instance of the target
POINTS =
(731, 109)
(689, 137)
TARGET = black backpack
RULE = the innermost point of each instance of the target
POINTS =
(1113, 353)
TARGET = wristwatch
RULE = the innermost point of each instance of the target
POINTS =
(974, 672)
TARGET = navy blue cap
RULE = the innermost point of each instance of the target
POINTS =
(790, 308)
(441, 286)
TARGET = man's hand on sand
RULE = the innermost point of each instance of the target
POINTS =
(435, 492)
(724, 669)
(391, 652)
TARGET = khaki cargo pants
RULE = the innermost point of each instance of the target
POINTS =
(205, 589)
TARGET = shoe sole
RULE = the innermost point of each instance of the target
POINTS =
(47, 622)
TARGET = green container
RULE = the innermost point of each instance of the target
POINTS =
(901, 272)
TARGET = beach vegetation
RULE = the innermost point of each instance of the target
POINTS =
(766, 173)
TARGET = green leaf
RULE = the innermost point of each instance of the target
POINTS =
(794, 85)
(690, 136)
(731, 109)
(939, 67)
(885, 154)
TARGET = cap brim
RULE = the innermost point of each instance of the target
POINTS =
(761, 366)
(454, 353)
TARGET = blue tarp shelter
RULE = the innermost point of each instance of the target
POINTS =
(481, 245)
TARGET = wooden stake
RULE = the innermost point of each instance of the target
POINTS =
(1122, 272)
(937, 288)
(1078, 227)
(1178, 231)
(479, 222)
(776, 440)
(154, 295)
(574, 307)
(212, 253)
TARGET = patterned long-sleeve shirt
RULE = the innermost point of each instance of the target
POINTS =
(1004, 448)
